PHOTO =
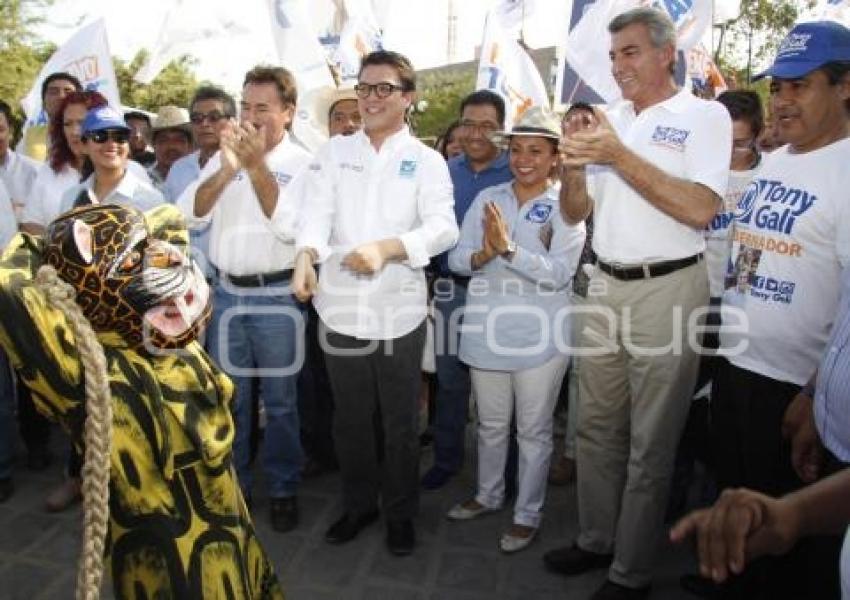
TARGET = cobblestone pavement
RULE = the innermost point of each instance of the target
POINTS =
(453, 561)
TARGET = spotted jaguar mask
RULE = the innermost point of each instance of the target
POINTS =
(131, 275)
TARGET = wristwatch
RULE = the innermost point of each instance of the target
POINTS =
(509, 252)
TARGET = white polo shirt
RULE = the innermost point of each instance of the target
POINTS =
(790, 243)
(130, 191)
(683, 136)
(243, 241)
(18, 173)
(353, 195)
(45, 198)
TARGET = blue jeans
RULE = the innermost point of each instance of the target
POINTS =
(259, 332)
(453, 384)
(7, 417)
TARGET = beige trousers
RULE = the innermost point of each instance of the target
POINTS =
(634, 398)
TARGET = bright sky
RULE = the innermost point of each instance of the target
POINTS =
(417, 29)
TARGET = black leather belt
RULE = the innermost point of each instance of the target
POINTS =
(646, 271)
(259, 280)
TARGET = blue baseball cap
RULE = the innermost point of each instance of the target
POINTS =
(103, 117)
(807, 47)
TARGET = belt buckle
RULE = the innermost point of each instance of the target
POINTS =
(647, 273)
(261, 280)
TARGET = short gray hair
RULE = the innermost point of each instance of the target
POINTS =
(662, 31)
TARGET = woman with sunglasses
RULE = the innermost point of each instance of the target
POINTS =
(107, 178)
(521, 256)
(64, 163)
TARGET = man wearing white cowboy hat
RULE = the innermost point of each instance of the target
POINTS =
(172, 140)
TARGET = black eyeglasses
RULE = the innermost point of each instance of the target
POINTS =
(382, 90)
(214, 116)
(119, 136)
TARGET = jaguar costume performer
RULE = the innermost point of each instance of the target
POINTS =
(100, 318)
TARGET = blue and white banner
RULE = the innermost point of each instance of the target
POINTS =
(86, 56)
(508, 70)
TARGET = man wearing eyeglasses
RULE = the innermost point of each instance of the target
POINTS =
(376, 205)
(481, 165)
(243, 193)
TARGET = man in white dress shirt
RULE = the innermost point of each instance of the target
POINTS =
(376, 205)
(257, 326)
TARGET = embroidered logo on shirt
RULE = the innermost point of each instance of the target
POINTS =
(315, 167)
(407, 169)
(282, 178)
(670, 137)
(539, 213)
(355, 168)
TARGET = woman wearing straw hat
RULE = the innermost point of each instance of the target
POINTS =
(520, 255)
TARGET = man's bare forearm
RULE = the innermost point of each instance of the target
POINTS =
(576, 203)
(265, 187)
(822, 507)
(210, 191)
(690, 203)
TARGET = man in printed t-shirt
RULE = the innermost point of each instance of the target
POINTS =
(791, 240)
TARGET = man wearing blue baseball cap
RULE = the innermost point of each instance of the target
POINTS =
(790, 243)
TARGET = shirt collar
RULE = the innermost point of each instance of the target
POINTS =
(389, 143)
(125, 189)
(677, 103)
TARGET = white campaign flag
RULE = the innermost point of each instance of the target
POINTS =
(299, 49)
(506, 69)
(360, 35)
(86, 56)
(512, 12)
(589, 42)
(836, 10)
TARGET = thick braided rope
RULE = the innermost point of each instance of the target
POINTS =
(98, 433)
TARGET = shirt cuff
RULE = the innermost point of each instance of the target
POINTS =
(414, 246)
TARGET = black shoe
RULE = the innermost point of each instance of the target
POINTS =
(348, 526)
(572, 560)
(401, 538)
(7, 488)
(700, 586)
(615, 591)
(38, 460)
(284, 514)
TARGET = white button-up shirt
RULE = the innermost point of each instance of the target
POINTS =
(8, 224)
(131, 191)
(18, 174)
(243, 241)
(352, 195)
(685, 137)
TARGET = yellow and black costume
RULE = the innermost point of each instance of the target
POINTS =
(177, 525)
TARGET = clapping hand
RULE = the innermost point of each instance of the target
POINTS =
(496, 234)
(599, 145)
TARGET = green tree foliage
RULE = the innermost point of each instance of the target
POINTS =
(21, 52)
(175, 84)
(443, 93)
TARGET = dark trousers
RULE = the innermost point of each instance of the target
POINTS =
(747, 411)
(315, 397)
(369, 376)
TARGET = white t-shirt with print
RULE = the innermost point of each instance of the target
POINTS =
(684, 136)
(718, 243)
(790, 241)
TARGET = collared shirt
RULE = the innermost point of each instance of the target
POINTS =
(130, 191)
(467, 184)
(8, 223)
(685, 137)
(832, 396)
(183, 172)
(353, 195)
(243, 241)
(157, 179)
(45, 199)
(18, 174)
(513, 319)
